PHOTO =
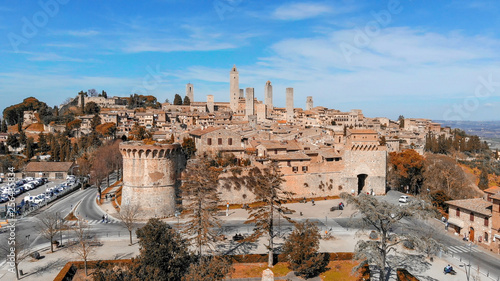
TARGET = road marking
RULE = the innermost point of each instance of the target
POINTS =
(462, 249)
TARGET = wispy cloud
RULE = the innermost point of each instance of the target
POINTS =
(82, 33)
(300, 11)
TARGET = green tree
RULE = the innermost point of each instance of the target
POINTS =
(91, 108)
(209, 268)
(383, 217)
(405, 170)
(164, 254)
(266, 185)
(199, 189)
(187, 101)
(401, 120)
(22, 138)
(177, 100)
(483, 179)
(30, 151)
(12, 141)
(301, 250)
(3, 129)
(189, 147)
(96, 121)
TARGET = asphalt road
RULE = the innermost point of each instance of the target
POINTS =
(88, 209)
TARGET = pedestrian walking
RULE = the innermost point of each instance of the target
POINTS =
(102, 219)
(107, 218)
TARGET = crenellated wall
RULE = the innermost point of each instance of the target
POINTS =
(151, 177)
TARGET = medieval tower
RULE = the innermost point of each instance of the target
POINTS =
(268, 97)
(190, 92)
(249, 100)
(309, 103)
(289, 105)
(234, 87)
(150, 177)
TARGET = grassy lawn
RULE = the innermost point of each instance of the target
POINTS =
(247, 270)
(338, 270)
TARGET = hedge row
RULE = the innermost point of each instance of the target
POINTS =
(70, 268)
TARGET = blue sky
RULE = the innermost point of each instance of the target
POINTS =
(431, 59)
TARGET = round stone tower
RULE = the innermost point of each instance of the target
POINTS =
(151, 176)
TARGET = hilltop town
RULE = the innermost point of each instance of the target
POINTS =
(149, 149)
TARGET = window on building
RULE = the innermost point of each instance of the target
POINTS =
(59, 175)
(486, 221)
(209, 141)
(275, 151)
(219, 141)
(295, 169)
(289, 163)
(304, 168)
(471, 216)
(458, 212)
(229, 141)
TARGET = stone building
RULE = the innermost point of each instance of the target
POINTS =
(234, 88)
(268, 97)
(151, 176)
(309, 103)
(495, 227)
(471, 218)
(190, 92)
(217, 139)
(289, 105)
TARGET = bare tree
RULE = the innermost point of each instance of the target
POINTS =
(384, 217)
(199, 192)
(128, 215)
(47, 224)
(15, 250)
(85, 242)
(266, 185)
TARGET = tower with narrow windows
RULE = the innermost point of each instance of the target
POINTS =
(234, 88)
(268, 98)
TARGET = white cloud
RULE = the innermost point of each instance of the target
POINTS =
(82, 33)
(300, 11)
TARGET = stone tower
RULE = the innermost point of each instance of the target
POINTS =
(249, 100)
(289, 105)
(309, 103)
(268, 97)
(190, 92)
(210, 103)
(151, 176)
(234, 87)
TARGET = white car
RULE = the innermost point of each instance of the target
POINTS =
(29, 198)
(28, 186)
(29, 179)
(404, 199)
(39, 199)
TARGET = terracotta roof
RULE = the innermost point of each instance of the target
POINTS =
(477, 205)
(496, 197)
(493, 190)
(362, 131)
(290, 156)
(48, 166)
(200, 132)
(328, 153)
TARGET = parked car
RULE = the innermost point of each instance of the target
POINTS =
(39, 199)
(404, 199)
